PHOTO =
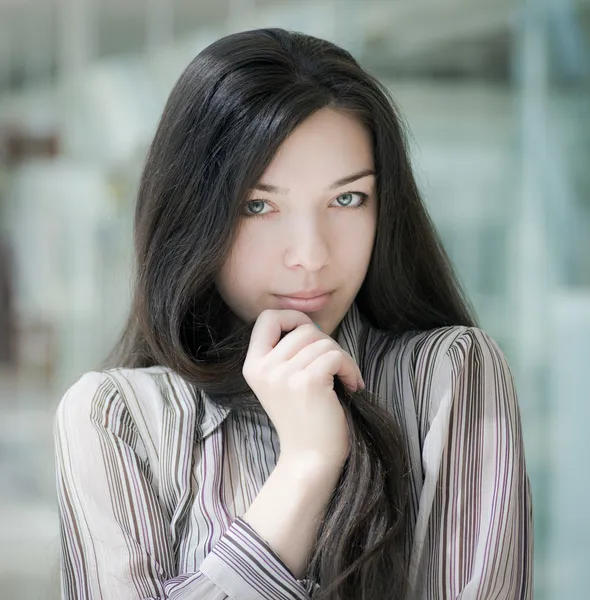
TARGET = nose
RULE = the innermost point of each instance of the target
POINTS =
(307, 246)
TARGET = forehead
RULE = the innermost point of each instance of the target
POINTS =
(327, 146)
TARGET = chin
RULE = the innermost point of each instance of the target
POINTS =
(326, 323)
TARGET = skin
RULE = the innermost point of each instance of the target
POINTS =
(309, 233)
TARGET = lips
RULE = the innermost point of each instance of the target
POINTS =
(305, 301)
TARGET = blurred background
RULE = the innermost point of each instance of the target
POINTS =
(497, 96)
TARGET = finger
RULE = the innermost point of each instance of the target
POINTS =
(268, 328)
(314, 350)
(335, 363)
(295, 341)
(309, 353)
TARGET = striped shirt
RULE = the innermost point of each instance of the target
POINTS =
(153, 478)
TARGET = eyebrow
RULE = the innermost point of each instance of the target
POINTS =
(273, 189)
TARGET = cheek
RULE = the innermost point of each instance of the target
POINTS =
(226, 278)
(371, 227)
(242, 270)
(361, 231)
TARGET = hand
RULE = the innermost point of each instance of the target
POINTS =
(293, 378)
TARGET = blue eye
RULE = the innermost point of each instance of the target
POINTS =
(255, 207)
(349, 198)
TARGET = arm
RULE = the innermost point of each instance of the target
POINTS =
(115, 540)
(474, 529)
(288, 509)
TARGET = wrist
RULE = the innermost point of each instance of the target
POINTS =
(289, 508)
(310, 466)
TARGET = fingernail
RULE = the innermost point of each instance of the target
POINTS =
(362, 383)
(318, 326)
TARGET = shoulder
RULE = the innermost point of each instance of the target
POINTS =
(420, 351)
(441, 349)
(91, 394)
(151, 397)
(458, 370)
(445, 354)
(438, 364)
(450, 349)
(107, 387)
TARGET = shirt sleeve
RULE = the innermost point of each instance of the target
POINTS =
(115, 537)
(473, 538)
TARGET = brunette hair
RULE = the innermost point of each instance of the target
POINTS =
(227, 115)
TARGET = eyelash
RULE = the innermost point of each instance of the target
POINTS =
(364, 197)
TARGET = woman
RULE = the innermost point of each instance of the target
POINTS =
(301, 405)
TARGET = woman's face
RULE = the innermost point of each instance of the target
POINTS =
(308, 226)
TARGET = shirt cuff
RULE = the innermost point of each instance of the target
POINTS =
(245, 567)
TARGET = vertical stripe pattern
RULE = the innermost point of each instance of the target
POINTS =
(153, 478)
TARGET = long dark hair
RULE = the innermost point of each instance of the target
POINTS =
(226, 117)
